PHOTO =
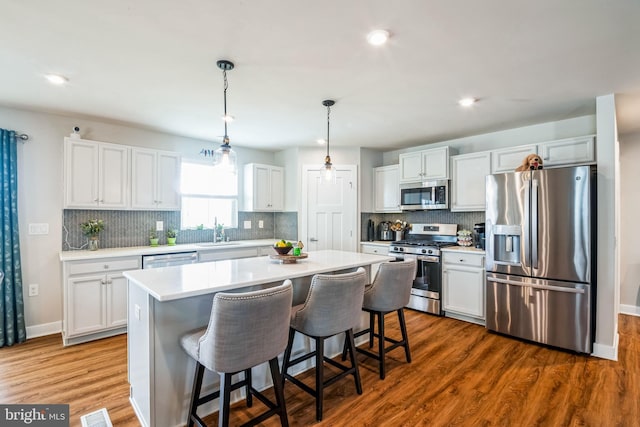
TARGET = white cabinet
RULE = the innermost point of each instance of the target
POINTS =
(95, 298)
(386, 190)
(424, 165)
(96, 175)
(468, 172)
(263, 188)
(508, 159)
(463, 279)
(568, 151)
(155, 177)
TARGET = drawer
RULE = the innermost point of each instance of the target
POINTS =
(204, 256)
(463, 258)
(374, 249)
(103, 265)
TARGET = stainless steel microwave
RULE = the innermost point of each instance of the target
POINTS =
(424, 195)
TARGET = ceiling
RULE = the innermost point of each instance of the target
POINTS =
(152, 63)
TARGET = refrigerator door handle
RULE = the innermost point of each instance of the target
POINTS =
(531, 285)
(534, 224)
(527, 224)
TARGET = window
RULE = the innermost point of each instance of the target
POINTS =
(208, 194)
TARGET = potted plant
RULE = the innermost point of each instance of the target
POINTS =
(172, 233)
(92, 229)
(153, 237)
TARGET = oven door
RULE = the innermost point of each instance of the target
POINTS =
(428, 281)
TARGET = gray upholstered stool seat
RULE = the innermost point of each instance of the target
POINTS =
(245, 330)
(332, 306)
(390, 291)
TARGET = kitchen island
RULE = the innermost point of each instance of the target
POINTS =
(165, 303)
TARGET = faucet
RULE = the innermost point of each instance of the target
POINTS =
(218, 231)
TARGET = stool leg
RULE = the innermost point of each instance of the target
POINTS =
(195, 393)
(287, 354)
(344, 349)
(247, 378)
(372, 317)
(277, 386)
(225, 397)
(320, 377)
(354, 361)
(405, 336)
(381, 345)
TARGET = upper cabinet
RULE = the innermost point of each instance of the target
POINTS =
(468, 173)
(263, 188)
(561, 152)
(424, 165)
(96, 175)
(508, 159)
(386, 191)
(155, 177)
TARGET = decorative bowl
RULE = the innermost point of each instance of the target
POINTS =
(283, 250)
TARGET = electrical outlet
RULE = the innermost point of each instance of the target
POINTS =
(137, 311)
(34, 290)
(39, 228)
(159, 226)
(247, 224)
(261, 224)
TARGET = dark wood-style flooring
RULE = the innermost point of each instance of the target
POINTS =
(461, 375)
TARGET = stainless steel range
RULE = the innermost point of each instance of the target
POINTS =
(423, 242)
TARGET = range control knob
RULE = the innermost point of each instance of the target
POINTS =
(430, 251)
(424, 251)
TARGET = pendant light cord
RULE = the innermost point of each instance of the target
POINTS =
(328, 114)
(226, 85)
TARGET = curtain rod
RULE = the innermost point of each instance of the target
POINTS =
(22, 136)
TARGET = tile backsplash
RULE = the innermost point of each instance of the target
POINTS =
(465, 220)
(131, 228)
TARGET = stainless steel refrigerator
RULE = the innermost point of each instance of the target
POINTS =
(540, 256)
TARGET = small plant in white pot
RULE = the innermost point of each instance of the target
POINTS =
(172, 233)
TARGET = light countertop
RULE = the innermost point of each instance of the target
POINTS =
(462, 249)
(171, 283)
(162, 249)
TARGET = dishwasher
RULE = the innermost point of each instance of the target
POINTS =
(168, 260)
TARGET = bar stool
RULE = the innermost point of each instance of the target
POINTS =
(245, 330)
(332, 306)
(390, 291)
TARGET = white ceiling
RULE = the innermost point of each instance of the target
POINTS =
(152, 63)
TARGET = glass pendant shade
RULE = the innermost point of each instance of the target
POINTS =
(226, 158)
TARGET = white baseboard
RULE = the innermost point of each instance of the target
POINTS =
(631, 310)
(44, 329)
(606, 351)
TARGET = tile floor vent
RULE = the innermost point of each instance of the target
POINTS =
(99, 418)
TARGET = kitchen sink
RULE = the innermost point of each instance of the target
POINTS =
(210, 244)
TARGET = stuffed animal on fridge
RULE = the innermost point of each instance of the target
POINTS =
(531, 162)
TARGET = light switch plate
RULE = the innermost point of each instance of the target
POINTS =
(159, 226)
(261, 224)
(247, 224)
(35, 229)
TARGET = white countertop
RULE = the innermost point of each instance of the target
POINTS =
(462, 249)
(171, 283)
(162, 249)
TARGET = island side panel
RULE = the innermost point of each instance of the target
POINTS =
(139, 353)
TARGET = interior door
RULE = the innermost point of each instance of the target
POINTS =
(329, 210)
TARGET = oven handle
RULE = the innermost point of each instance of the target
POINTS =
(427, 258)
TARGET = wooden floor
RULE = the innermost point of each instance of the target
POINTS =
(461, 375)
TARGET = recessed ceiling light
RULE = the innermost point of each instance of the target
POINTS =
(56, 79)
(378, 37)
(467, 102)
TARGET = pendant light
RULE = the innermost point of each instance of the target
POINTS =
(328, 171)
(224, 156)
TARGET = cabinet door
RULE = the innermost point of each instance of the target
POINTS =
(261, 187)
(386, 189)
(114, 176)
(463, 289)
(468, 181)
(435, 164)
(143, 178)
(86, 311)
(410, 167)
(116, 300)
(568, 151)
(508, 159)
(81, 170)
(276, 180)
(168, 181)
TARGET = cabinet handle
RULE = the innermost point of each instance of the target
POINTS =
(106, 266)
(109, 281)
(95, 200)
(313, 239)
(461, 260)
(102, 281)
(101, 201)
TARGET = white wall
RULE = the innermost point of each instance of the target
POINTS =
(629, 223)
(41, 193)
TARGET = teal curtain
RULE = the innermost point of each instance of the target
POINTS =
(12, 327)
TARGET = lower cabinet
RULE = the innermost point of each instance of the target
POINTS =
(463, 278)
(376, 249)
(95, 293)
